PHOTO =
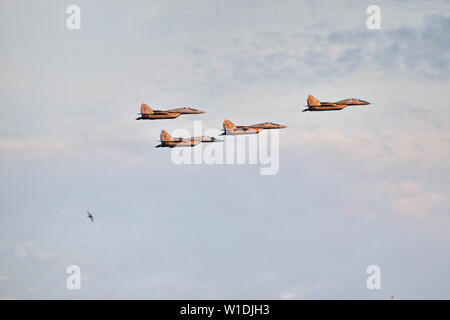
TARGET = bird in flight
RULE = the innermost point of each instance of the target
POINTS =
(90, 216)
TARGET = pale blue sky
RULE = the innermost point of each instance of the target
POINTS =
(357, 187)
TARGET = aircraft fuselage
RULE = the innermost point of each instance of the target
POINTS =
(242, 130)
(186, 111)
(179, 143)
(327, 107)
(353, 102)
(268, 126)
(157, 116)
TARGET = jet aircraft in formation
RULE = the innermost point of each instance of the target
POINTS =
(148, 113)
(229, 128)
(315, 105)
(170, 142)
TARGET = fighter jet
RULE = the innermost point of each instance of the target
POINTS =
(168, 141)
(148, 113)
(316, 105)
(229, 128)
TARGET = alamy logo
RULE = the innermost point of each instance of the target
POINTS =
(73, 22)
(255, 149)
(374, 280)
(74, 280)
(374, 20)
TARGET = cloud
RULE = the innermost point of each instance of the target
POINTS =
(420, 51)
(46, 255)
(413, 146)
(21, 250)
(30, 145)
(287, 296)
(416, 199)
(4, 278)
(403, 187)
(21, 253)
(420, 205)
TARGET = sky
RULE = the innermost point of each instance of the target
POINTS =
(358, 187)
